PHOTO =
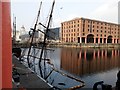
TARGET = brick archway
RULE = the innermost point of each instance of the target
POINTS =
(90, 38)
(109, 39)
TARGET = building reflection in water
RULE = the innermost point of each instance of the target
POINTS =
(88, 61)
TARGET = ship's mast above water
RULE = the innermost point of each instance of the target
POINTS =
(32, 34)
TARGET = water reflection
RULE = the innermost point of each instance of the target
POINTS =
(88, 61)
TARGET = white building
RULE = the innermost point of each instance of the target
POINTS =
(23, 30)
(17, 36)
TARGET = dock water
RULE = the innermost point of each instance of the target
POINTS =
(28, 79)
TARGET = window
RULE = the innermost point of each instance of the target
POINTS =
(74, 34)
(74, 39)
(104, 40)
(74, 30)
(100, 40)
(114, 40)
(83, 29)
(62, 24)
(96, 40)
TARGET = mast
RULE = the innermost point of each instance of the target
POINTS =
(14, 30)
(33, 33)
(45, 36)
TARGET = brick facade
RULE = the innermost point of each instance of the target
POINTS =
(82, 30)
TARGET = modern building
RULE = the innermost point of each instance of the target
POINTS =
(24, 38)
(17, 36)
(23, 30)
(83, 30)
(54, 34)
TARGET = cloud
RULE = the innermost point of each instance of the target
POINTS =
(106, 12)
(72, 16)
(57, 21)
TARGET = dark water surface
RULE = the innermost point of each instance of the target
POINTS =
(89, 65)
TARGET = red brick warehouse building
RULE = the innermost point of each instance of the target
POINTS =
(83, 30)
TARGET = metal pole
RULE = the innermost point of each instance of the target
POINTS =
(45, 36)
(5, 46)
(33, 35)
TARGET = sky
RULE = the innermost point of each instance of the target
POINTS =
(26, 11)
